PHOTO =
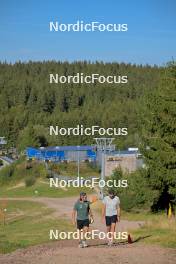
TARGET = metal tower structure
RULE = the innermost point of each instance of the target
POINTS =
(103, 145)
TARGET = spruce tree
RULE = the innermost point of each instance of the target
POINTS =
(159, 134)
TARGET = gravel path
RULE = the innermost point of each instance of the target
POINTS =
(66, 252)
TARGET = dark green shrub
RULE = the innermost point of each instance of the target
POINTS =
(29, 181)
(7, 171)
(137, 194)
(1, 163)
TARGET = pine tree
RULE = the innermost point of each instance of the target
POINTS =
(159, 133)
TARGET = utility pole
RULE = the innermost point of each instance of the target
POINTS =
(103, 145)
(78, 161)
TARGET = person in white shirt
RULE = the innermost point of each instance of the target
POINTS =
(111, 214)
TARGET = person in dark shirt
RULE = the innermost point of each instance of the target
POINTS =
(80, 217)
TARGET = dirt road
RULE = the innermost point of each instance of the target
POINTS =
(63, 208)
(66, 252)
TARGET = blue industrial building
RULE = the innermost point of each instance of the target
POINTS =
(62, 153)
(129, 160)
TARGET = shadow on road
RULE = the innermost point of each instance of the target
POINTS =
(141, 238)
(121, 243)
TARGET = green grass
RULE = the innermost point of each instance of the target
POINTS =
(158, 229)
(71, 169)
(14, 173)
(28, 223)
(25, 171)
(41, 189)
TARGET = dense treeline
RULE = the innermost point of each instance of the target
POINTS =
(155, 185)
(29, 104)
(159, 139)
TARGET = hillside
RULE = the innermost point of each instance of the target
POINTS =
(29, 104)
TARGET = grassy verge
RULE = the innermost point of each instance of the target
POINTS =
(28, 223)
(158, 229)
(71, 169)
(40, 189)
(23, 170)
(19, 170)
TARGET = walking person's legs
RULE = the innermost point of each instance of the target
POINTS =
(83, 227)
(85, 232)
(108, 228)
(112, 230)
(111, 226)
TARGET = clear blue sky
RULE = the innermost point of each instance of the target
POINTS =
(151, 38)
